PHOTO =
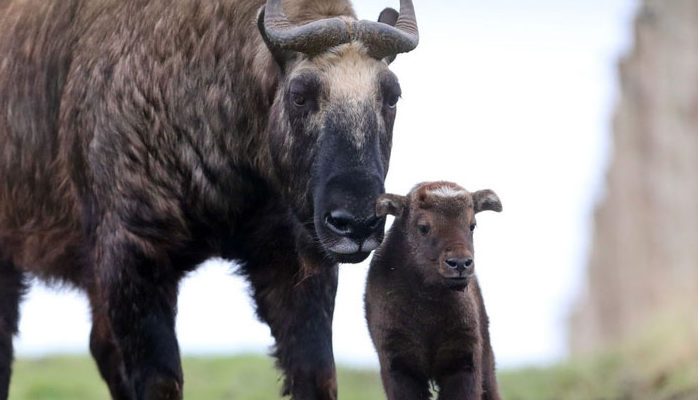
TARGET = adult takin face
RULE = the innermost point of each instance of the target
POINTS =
(139, 138)
(332, 120)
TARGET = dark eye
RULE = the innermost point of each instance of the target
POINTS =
(390, 90)
(424, 229)
(298, 99)
(471, 227)
(302, 93)
(391, 100)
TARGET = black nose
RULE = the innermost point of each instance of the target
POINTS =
(343, 223)
(460, 264)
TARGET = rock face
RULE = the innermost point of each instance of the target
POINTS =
(643, 262)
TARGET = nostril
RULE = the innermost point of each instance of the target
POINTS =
(459, 264)
(339, 222)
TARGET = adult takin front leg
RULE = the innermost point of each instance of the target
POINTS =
(140, 288)
(298, 307)
(106, 353)
(300, 315)
(11, 289)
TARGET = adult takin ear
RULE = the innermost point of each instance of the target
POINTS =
(486, 200)
(392, 204)
(389, 16)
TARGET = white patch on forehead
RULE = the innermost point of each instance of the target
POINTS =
(353, 79)
(449, 191)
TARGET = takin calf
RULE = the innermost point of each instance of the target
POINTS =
(423, 304)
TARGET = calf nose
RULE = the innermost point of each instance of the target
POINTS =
(343, 223)
(459, 263)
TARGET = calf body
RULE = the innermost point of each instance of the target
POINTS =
(423, 303)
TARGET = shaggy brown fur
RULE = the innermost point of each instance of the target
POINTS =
(424, 307)
(139, 138)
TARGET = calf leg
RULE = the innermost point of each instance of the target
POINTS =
(462, 380)
(12, 287)
(490, 387)
(141, 297)
(459, 385)
(106, 353)
(488, 364)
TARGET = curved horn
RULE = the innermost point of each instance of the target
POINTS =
(384, 40)
(311, 38)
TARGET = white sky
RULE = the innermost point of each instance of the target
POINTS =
(511, 95)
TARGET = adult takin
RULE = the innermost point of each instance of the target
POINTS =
(139, 138)
(423, 304)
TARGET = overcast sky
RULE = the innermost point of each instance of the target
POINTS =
(511, 95)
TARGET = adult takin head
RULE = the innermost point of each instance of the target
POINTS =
(437, 221)
(332, 118)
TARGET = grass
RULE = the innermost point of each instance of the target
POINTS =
(249, 377)
(660, 365)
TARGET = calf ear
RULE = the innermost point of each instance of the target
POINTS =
(389, 16)
(486, 200)
(392, 204)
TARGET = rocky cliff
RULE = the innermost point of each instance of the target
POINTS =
(643, 260)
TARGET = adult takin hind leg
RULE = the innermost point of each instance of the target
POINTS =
(107, 355)
(12, 287)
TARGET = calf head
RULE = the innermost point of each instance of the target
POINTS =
(332, 118)
(438, 221)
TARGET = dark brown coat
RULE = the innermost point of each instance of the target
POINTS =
(139, 138)
(424, 306)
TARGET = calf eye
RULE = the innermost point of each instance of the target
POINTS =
(471, 227)
(423, 229)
